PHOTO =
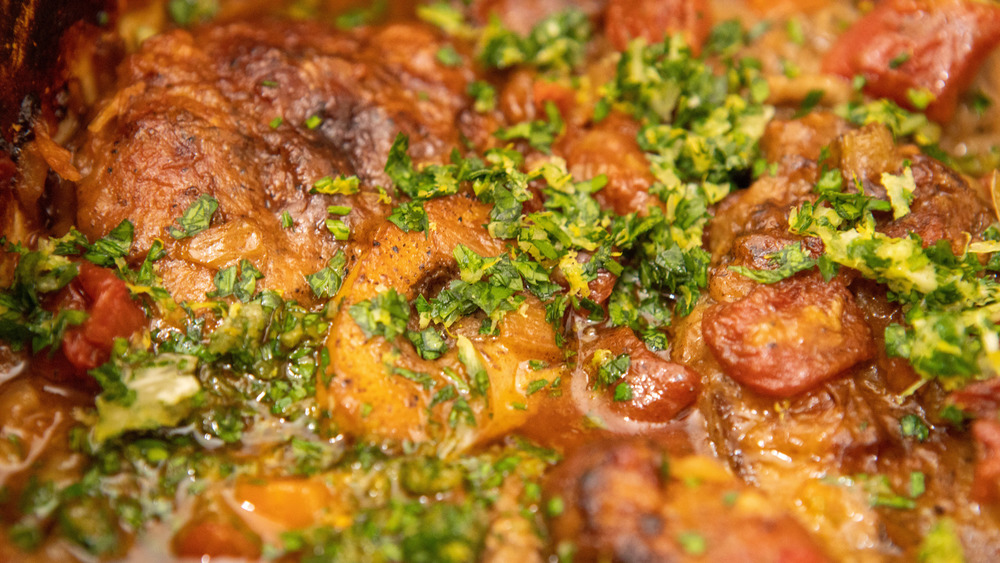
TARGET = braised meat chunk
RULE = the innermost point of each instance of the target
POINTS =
(254, 116)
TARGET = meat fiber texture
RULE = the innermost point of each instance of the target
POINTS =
(253, 115)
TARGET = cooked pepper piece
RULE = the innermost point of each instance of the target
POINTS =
(912, 49)
(113, 314)
(789, 337)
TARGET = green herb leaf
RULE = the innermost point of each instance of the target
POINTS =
(473, 363)
(384, 315)
(326, 282)
(196, 218)
(788, 261)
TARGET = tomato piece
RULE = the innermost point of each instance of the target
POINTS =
(610, 148)
(112, 314)
(786, 338)
(559, 94)
(602, 286)
(626, 20)
(908, 46)
(981, 399)
(986, 480)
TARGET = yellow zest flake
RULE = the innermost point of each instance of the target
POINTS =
(900, 189)
(984, 247)
(383, 196)
(573, 270)
(601, 357)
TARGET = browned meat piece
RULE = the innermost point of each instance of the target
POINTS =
(762, 206)
(626, 501)
(611, 148)
(652, 20)
(789, 337)
(660, 390)
(752, 251)
(804, 137)
(944, 207)
(253, 116)
(865, 154)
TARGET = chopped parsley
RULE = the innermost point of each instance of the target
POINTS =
(338, 229)
(186, 13)
(237, 280)
(539, 134)
(326, 282)
(473, 364)
(196, 218)
(23, 319)
(344, 185)
(428, 342)
(787, 262)
(942, 544)
(384, 315)
(484, 96)
(556, 43)
(448, 56)
(899, 60)
(912, 426)
(313, 121)
(692, 543)
(611, 369)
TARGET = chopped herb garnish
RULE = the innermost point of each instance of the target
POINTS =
(899, 60)
(326, 282)
(980, 102)
(692, 543)
(428, 342)
(448, 56)
(539, 134)
(186, 13)
(339, 229)
(793, 27)
(912, 426)
(473, 363)
(787, 262)
(196, 218)
(537, 385)
(384, 315)
(313, 122)
(484, 96)
(343, 185)
(418, 377)
(812, 99)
